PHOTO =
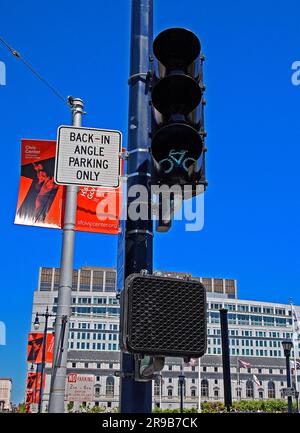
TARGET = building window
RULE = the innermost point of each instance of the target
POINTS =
(110, 385)
(73, 364)
(207, 282)
(218, 285)
(86, 365)
(97, 281)
(216, 369)
(261, 395)
(157, 387)
(85, 280)
(229, 287)
(204, 388)
(110, 281)
(170, 391)
(249, 389)
(46, 279)
(74, 280)
(170, 367)
(193, 392)
(271, 389)
(97, 391)
(56, 279)
(216, 393)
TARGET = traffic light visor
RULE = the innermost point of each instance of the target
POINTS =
(176, 48)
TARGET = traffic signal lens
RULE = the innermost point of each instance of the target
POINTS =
(176, 94)
(177, 142)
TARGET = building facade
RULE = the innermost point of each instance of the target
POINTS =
(5, 394)
(256, 330)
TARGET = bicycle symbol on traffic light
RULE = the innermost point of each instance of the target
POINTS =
(176, 159)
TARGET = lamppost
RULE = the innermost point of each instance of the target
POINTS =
(181, 378)
(36, 325)
(159, 378)
(287, 346)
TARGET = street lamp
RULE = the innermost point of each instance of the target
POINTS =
(181, 378)
(287, 347)
(36, 325)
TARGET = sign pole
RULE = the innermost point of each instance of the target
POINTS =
(62, 323)
(137, 396)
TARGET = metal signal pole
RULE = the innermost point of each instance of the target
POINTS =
(137, 396)
(226, 359)
(62, 323)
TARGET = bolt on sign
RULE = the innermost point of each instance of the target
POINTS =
(80, 387)
(88, 156)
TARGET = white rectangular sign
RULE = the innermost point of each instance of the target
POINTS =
(88, 156)
(80, 387)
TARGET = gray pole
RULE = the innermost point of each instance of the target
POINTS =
(40, 406)
(62, 323)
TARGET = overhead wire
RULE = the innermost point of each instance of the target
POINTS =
(17, 54)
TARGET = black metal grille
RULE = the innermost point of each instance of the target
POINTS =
(165, 316)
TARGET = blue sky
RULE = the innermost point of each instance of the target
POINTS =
(252, 204)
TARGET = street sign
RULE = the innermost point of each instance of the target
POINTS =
(88, 156)
(80, 387)
(288, 392)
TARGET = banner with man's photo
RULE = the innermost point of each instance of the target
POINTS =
(41, 200)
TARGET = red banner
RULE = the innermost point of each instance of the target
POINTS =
(40, 200)
(33, 389)
(35, 347)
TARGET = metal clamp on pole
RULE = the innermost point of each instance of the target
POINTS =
(122, 374)
(146, 76)
(124, 155)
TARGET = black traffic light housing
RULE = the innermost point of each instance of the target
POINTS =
(178, 135)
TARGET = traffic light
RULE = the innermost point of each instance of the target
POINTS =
(163, 316)
(178, 135)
